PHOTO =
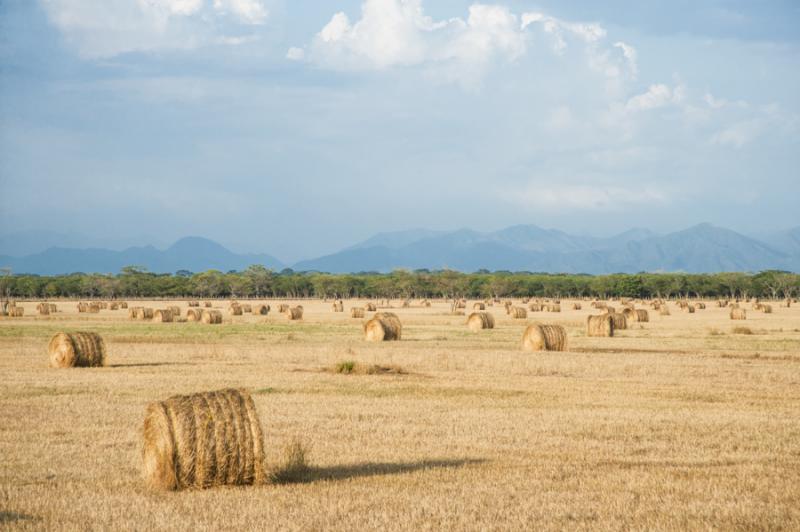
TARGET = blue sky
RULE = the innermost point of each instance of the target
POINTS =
(297, 128)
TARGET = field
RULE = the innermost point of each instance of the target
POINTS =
(678, 423)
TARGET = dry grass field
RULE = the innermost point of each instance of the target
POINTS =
(678, 423)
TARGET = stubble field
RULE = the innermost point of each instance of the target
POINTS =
(678, 423)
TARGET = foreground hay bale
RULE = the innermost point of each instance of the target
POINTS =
(211, 317)
(194, 314)
(78, 349)
(518, 313)
(261, 310)
(295, 313)
(384, 326)
(480, 320)
(357, 312)
(602, 325)
(738, 314)
(544, 338)
(203, 440)
(163, 315)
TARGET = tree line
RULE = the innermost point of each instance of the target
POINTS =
(260, 282)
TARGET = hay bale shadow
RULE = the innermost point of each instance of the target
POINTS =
(371, 469)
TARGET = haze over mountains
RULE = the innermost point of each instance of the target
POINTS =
(701, 248)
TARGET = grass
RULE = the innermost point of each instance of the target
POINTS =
(742, 330)
(667, 427)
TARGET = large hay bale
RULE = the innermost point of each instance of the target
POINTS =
(176, 311)
(620, 321)
(194, 314)
(384, 326)
(370, 307)
(261, 310)
(163, 315)
(544, 338)
(338, 306)
(478, 306)
(77, 349)
(602, 325)
(203, 440)
(211, 317)
(357, 312)
(480, 320)
(738, 314)
(294, 313)
(519, 313)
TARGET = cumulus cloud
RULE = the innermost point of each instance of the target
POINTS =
(658, 95)
(105, 28)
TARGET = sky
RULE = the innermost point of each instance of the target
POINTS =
(298, 128)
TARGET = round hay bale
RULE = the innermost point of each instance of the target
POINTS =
(16, 312)
(194, 314)
(519, 313)
(426, 303)
(338, 306)
(555, 307)
(602, 325)
(544, 338)
(235, 310)
(133, 312)
(176, 311)
(261, 310)
(370, 307)
(247, 308)
(629, 314)
(93, 308)
(83, 307)
(766, 309)
(357, 312)
(144, 313)
(689, 309)
(384, 326)
(642, 315)
(207, 304)
(77, 349)
(203, 440)
(480, 320)
(113, 306)
(738, 314)
(194, 303)
(609, 309)
(123, 304)
(211, 317)
(283, 307)
(576, 306)
(620, 321)
(478, 306)
(163, 315)
(294, 313)
(663, 310)
(700, 305)
(535, 307)
(43, 309)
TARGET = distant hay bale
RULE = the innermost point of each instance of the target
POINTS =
(722, 303)
(194, 314)
(113, 306)
(544, 338)
(16, 312)
(480, 320)
(357, 312)
(294, 313)
(176, 311)
(519, 313)
(663, 310)
(479, 306)
(235, 310)
(766, 309)
(283, 307)
(207, 304)
(247, 308)
(787, 303)
(194, 303)
(43, 309)
(620, 321)
(384, 326)
(554, 307)
(83, 307)
(700, 305)
(406, 303)
(642, 315)
(144, 313)
(133, 312)
(738, 314)
(602, 325)
(203, 440)
(123, 304)
(370, 307)
(689, 309)
(261, 310)
(77, 349)
(211, 317)
(535, 307)
(93, 308)
(163, 315)
(609, 309)
(338, 306)
(576, 306)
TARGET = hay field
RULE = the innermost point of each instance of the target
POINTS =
(673, 424)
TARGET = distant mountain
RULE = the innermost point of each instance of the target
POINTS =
(703, 248)
(192, 253)
(22, 243)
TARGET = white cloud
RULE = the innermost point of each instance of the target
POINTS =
(105, 28)
(739, 134)
(295, 54)
(585, 197)
(657, 95)
(629, 52)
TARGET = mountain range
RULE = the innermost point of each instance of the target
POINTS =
(698, 249)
